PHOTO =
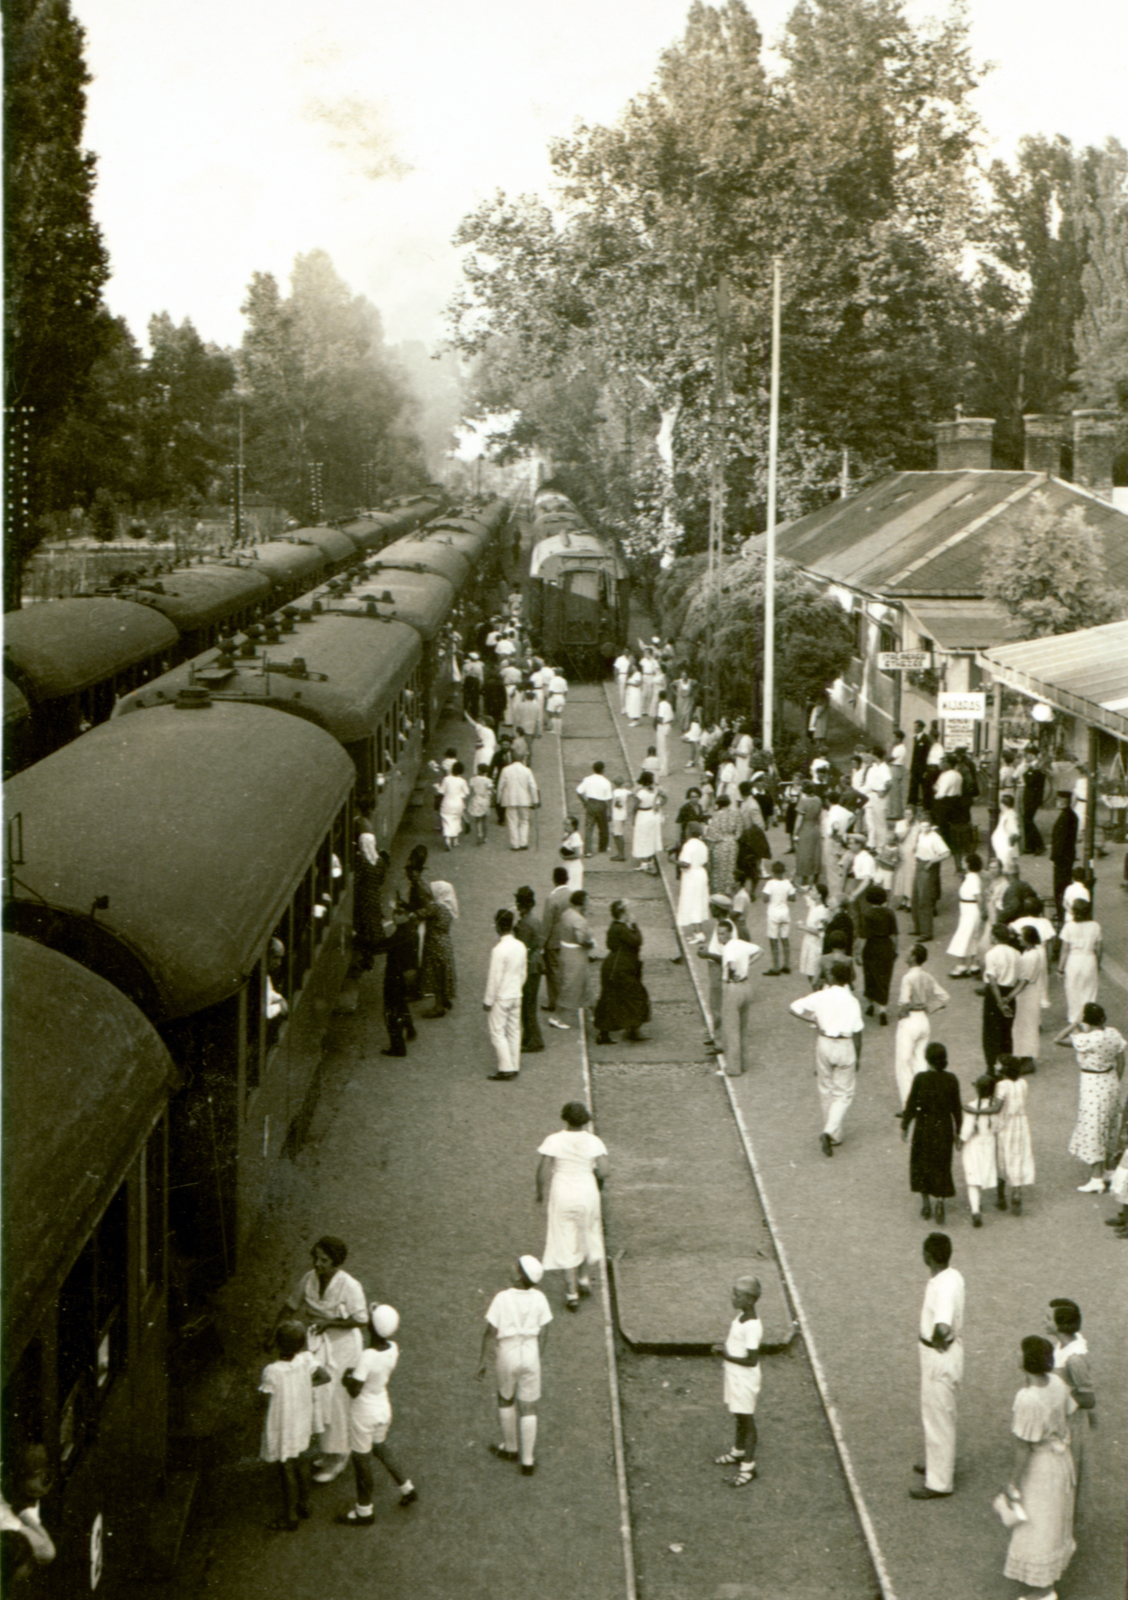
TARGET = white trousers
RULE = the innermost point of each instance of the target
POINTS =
(940, 1375)
(517, 821)
(913, 1033)
(837, 1073)
(662, 748)
(504, 1018)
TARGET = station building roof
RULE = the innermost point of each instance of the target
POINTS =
(195, 824)
(926, 535)
(60, 647)
(85, 1078)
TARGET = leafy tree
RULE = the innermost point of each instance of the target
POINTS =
(55, 263)
(1101, 331)
(187, 425)
(719, 629)
(321, 387)
(854, 165)
(1050, 574)
(103, 516)
(95, 442)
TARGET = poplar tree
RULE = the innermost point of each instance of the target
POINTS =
(55, 261)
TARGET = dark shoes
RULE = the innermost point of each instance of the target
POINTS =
(349, 1519)
(939, 1211)
(827, 1144)
(976, 1220)
(502, 1453)
(923, 1492)
(528, 1468)
(501, 1077)
(926, 1207)
(393, 1052)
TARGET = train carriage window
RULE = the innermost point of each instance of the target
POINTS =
(341, 855)
(112, 1277)
(93, 1325)
(253, 1020)
(153, 1202)
(303, 932)
(322, 889)
(381, 748)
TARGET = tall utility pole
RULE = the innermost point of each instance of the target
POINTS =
(769, 566)
(717, 480)
(237, 489)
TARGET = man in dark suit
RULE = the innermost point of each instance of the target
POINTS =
(919, 761)
(1063, 847)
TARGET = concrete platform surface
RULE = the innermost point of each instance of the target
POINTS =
(668, 1302)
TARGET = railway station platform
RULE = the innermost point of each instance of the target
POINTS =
(426, 1170)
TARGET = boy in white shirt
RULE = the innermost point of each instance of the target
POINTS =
(370, 1417)
(620, 806)
(779, 892)
(572, 852)
(742, 1378)
(517, 1321)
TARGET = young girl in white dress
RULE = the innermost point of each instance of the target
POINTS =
(965, 940)
(977, 1145)
(810, 951)
(1015, 1151)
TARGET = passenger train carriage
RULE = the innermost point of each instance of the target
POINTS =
(577, 593)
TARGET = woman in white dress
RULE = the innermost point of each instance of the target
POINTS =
(578, 1163)
(1014, 1146)
(633, 702)
(977, 1145)
(965, 940)
(1043, 1481)
(1100, 1052)
(647, 838)
(1080, 962)
(906, 832)
(453, 794)
(917, 998)
(693, 894)
(813, 929)
(623, 665)
(726, 780)
(333, 1306)
(1005, 841)
(1028, 996)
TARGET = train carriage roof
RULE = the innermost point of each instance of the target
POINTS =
(334, 543)
(422, 600)
(200, 596)
(196, 824)
(569, 552)
(280, 561)
(422, 554)
(85, 1078)
(353, 672)
(60, 647)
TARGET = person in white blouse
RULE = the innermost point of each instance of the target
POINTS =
(623, 666)
(509, 961)
(876, 783)
(837, 1016)
(517, 1325)
(596, 791)
(930, 851)
(737, 958)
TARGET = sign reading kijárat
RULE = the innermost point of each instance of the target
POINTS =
(971, 707)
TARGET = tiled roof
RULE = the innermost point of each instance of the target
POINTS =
(965, 624)
(923, 533)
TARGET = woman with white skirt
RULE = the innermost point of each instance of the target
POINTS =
(1028, 998)
(693, 895)
(965, 940)
(578, 1163)
(918, 996)
(905, 832)
(633, 701)
(647, 838)
(453, 793)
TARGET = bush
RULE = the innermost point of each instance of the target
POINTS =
(103, 516)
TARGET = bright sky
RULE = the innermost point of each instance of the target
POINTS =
(233, 135)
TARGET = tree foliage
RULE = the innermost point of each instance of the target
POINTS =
(1101, 330)
(1049, 573)
(719, 630)
(54, 261)
(319, 386)
(854, 165)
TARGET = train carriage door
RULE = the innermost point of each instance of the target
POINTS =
(583, 614)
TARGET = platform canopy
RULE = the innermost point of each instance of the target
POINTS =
(1084, 674)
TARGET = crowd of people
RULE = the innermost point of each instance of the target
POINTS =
(877, 861)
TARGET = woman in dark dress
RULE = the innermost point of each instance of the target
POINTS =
(623, 1001)
(691, 811)
(879, 952)
(368, 900)
(934, 1105)
(438, 976)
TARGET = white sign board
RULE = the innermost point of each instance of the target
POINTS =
(903, 660)
(973, 706)
(959, 733)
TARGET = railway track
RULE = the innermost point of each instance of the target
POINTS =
(684, 1213)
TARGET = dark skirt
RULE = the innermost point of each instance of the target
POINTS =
(878, 958)
(930, 1157)
(623, 1001)
(368, 910)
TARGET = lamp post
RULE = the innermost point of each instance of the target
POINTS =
(769, 565)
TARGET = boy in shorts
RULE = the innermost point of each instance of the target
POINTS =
(779, 892)
(517, 1321)
(742, 1378)
(370, 1417)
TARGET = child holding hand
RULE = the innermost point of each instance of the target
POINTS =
(289, 1383)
